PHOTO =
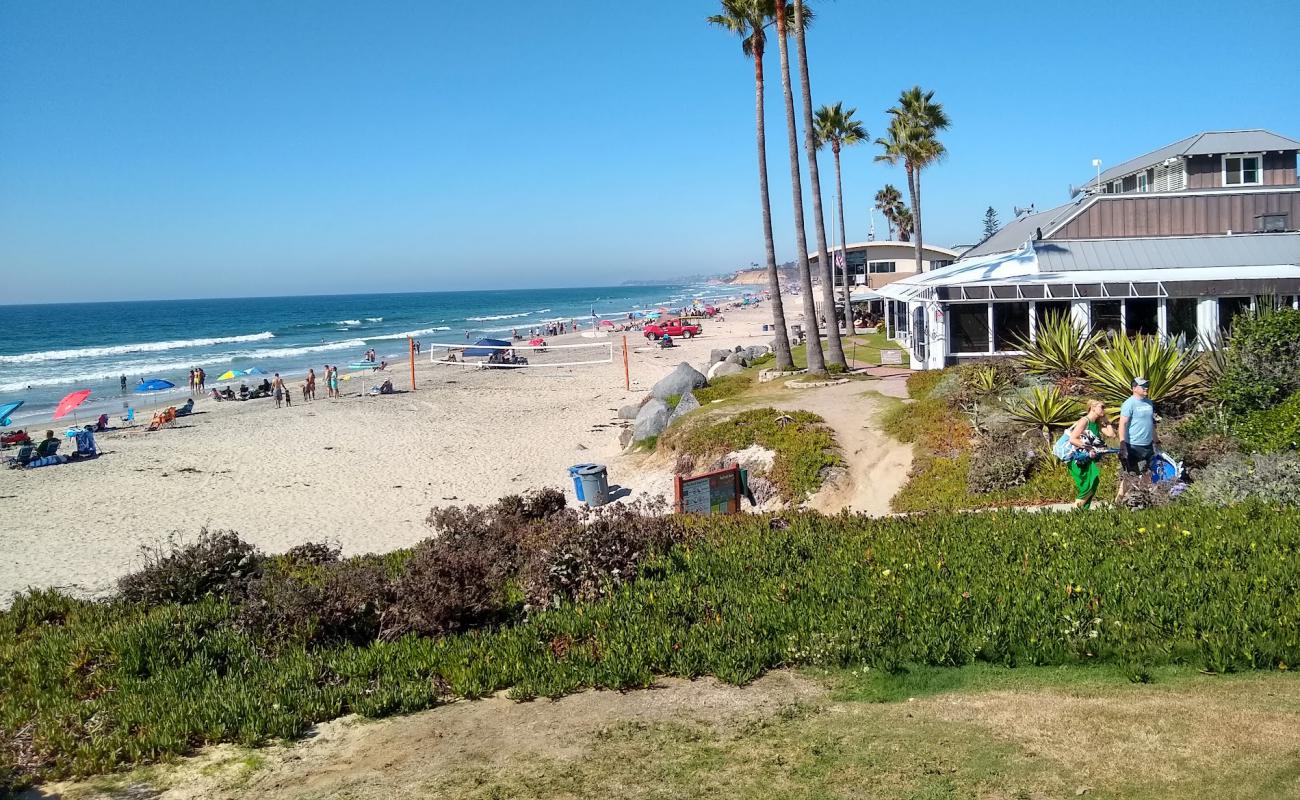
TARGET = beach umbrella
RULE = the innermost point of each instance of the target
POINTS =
(70, 402)
(155, 385)
(230, 375)
(7, 409)
(604, 323)
(254, 371)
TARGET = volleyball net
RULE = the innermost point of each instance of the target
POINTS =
(521, 356)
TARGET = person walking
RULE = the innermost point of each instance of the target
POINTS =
(1137, 435)
(277, 388)
(1086, 435)
(203, 380)
(123, 382)
(310, 394)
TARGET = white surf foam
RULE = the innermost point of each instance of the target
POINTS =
(127, 349)
(499, 316)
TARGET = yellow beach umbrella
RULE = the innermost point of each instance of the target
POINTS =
(230, 375)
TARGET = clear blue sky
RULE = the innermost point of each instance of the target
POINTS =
(227, 147)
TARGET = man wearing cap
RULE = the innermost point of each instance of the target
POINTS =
(1137, 432)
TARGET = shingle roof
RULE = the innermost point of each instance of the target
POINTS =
(1255, 140)
(1022, 229)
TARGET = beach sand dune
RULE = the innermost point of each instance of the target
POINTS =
(360, 471)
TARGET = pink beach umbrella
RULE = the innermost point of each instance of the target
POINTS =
(67, 404)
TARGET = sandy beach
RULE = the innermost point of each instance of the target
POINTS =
(360, 471)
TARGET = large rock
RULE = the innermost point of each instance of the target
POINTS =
(718, 355)
(725, 368)
(757, 351)
(651, 420)
(679, 381)
(686, 405)
(630, 410)
(737, 358)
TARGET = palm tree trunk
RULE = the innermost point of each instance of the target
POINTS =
(844, 240)
(816, 362)
(913, 179)
(834, 347)
(781, 344)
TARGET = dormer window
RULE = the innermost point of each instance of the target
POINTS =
(1242, 170)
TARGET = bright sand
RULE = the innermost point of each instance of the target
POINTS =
(361, 471)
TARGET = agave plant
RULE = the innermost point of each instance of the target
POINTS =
(1059, 348)
(1044, 407)
(1170, 366)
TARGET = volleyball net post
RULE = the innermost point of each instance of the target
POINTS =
(627, 375)
(410, 344)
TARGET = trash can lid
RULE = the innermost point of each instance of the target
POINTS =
(576, 468)
(590, 469)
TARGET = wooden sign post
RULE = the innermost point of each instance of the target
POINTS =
(716, 492)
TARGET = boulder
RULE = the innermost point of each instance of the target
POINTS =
(680, 381)
(630, 410)
(625, 438)
(725, 368)
(651, 420)
(737, 349)
(757, 351)
(718, 355)
(686, 405)
(737, 358)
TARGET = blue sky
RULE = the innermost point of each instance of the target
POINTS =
(226, 148)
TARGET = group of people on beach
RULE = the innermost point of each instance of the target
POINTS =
(198, 379)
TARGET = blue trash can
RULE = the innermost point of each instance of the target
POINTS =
(577, 482)
(594, 479)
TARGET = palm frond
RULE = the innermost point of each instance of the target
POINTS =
(1059, 349)
(1171, 367)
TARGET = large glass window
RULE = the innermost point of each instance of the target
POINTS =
(881, 266)
(969, 323)
(1241, 170)
(1010, 325)
(1230, 307)
(900, 320)
(1180, 313)
(1044, 309)
(1142, 316)
(1107, 315)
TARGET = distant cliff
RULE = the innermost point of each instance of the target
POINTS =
(758, 277)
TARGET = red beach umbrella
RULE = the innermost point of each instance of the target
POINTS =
(70, 402)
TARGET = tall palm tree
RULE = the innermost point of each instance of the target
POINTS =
(834, 347)
(839, 129)
(917, 145)
(888, 203)
(747, 19)
(816, 361)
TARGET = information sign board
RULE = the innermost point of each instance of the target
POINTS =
(717, 492)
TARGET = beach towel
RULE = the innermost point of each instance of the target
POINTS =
(47, 461)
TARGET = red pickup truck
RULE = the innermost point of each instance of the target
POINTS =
(674, 327)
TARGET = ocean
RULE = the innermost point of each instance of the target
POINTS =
(47, 351)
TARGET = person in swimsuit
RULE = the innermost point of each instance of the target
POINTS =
(277, 388)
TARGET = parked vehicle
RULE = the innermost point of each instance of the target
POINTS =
(674, 328)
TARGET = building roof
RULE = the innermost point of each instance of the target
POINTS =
(1182, 258)
(1255, 140)
(1021, 229)
(926, 249)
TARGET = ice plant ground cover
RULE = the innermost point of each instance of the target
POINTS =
(87, 687)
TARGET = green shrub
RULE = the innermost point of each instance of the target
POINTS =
(1271, 430)
(1045, 408)
(1261, 361)
(999, 463)
(1270, 477)
(1171, 368)
(804, 446)
(218, 563)
(1059, 349)
(723, 387)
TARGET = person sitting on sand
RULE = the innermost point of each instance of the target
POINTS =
(47, 446)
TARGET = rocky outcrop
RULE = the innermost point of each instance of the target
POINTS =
(651, 420)
(680, 381)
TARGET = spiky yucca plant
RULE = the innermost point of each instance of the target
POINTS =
(1171, 366)
(1059, 349)
(1044, 407)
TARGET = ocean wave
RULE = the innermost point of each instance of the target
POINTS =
(374, 319)
(499, 316)
(405, 334)
(289, 352)
(127, 349)
(347, 322)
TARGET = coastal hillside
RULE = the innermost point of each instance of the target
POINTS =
(758, 277)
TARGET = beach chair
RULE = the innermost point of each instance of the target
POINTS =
(47, 447)
(130, 416)
(102, 424)
(86, 443)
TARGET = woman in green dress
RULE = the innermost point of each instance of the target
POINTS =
(1086, 435)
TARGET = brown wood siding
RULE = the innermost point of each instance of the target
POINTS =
(1204, 172)
(1158, 215)
(1279, 168)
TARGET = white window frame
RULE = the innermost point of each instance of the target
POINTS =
(1143, 185)
(1259, 170)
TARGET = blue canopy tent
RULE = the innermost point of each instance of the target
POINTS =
(484, 348)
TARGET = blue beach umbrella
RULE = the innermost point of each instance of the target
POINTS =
(155, 385)
(254, 371)
(7, 409)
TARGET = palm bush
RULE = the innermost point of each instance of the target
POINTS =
(1171, 367)
(1059, 349)
(1044, 407)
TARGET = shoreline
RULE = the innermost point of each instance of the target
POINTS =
(360, 471)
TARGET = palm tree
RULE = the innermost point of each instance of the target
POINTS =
(816, 361)
(915, 142)
(888, 203)
(746, 19)
(834, 347)
(903, 219)
(838, 128)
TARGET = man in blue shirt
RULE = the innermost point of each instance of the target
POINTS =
(1137, 432)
